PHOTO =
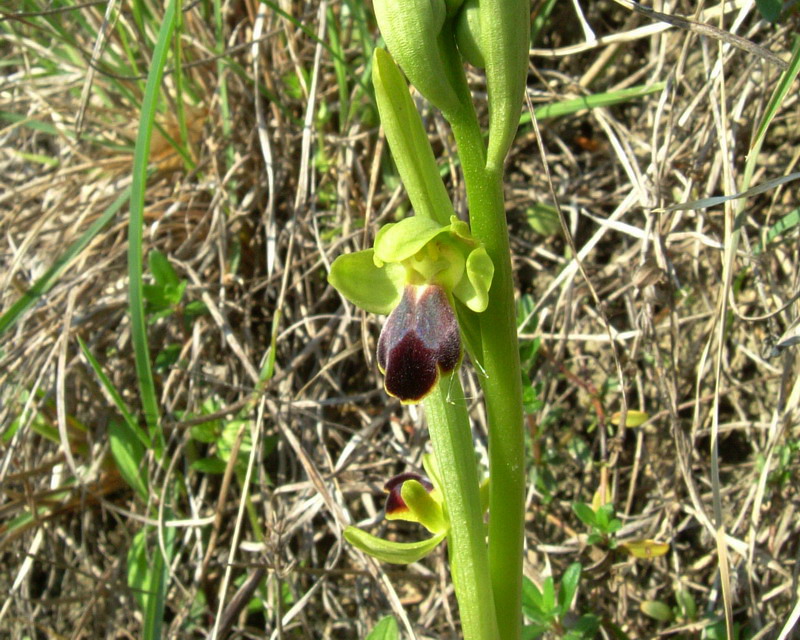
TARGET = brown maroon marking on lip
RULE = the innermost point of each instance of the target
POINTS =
(419, 341)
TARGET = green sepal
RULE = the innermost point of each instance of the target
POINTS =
(388, 551)
(423, 508)
(408, 141)
(504, 41)
(374, 289)
(398, 241)
(466, 272)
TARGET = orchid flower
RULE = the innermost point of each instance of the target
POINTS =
(414, 273)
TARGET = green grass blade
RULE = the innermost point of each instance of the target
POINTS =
(784, 85)
(568, 107)
(786, 223)
(51, 276)
(138, 188)
(116, 396)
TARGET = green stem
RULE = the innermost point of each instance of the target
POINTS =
(448, 423)
(501, 380)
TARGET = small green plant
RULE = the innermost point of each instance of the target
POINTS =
(548, 608)
(601, 521)
(685, 612)
(386, 629)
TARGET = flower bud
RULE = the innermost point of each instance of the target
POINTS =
(411, 29)
(504, 38)
(468, 34)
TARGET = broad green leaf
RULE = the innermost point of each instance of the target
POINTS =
(386, 629)
(533, 631)
(657, 610)
(531, 600)
(543, 219)
(393, 552)
(569, 585)
(687, 604)
(770, 10)
(549, 596)
(377, 290)
(162, 270)
(408, 141)
(584, 513)
(138, 567)
(209, 465)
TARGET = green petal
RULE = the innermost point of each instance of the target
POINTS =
(424, 507)
(473, 289)
(394, 552)
(374, 289)
(396, 242)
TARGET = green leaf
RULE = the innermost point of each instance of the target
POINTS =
(657, 610)
(209, 465)
(770, 10)
(584, 513)
(207, 432)
(687, 604)
(128, 453)
(543, 219)
(393, 552)
(374, 289)
(408, 141)
(386, 629)
(162, 270)
(549, 596)
(569, 585)
(532, 600)
(603, 517)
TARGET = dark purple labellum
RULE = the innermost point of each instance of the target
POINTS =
(395, 505)
(419, 341)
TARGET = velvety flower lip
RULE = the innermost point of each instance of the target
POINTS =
(395, 505)
(419, 341)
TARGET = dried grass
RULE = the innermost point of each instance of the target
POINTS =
(254, 231)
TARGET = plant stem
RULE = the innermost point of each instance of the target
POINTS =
(501, 380)
(448, 423)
